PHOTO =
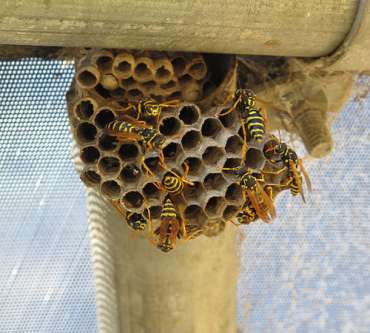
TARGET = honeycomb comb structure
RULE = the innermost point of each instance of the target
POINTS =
(197, 138)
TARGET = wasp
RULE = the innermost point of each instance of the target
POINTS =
(135, 221)
(293, 164)
(172, 226)
(147, 108)
(253, 120)
(131, 129)
(254, 192)
(174, 183)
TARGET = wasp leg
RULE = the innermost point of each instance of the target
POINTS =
(244, 147)
(276, 172)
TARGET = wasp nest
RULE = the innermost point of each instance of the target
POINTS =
(199, 141)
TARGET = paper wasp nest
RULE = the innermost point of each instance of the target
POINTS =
(196, 136)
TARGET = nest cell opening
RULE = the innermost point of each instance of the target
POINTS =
(104, 63)
(193, 192)
(193, 212)
(151, 191)
(234, 145)
(107, 142)
(127, 83)
(133, 199)
(189, 114)
(170, 126)
(233, 163)
(149, 85)
(91, 178)
(162, 74)
(229, 120)
(84, 109)
(123, 67)
(211, 127)
(118, 93)
(254, 158)
(195, 165)
(87, 78)
(212, 155)
(170, 84)
(86, 132)
(214, 181)
(129, 151)
(214, 206)
(171, 151)
(153, 163)
(142, 71)
(105, 93)
(191, 140)
(178, 65)
(185, 79)
(104, 117)
(155, 212)
(111, 189)
(135, 94)
(130, 173)
(234, 192)
(109, 165)
(90, 155)
(198, 70)
(230, 211)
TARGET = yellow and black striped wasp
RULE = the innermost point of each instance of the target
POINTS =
(253, 192)
(173, 183)
(292, 164)
(170, 227)
(253, 120)
(128, 128)
(147, 108)
(135, 221)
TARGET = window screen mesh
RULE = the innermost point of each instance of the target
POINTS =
(307, 272)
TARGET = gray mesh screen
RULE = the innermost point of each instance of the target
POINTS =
(307, 272)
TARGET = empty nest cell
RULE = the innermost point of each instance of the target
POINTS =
(142, 72)
(88, 77)
(214, 206)
(234, 145)
(86, 133)
(89, 155)
(191, 139)
(107, 142)
(230, 211)
(110, 189)
(254, 158)
(109, 165)
(104, 116)
(104, 62)
(133, 199)
(230, 120)
(211, 127)
(234, 193)
(195, 165)
(130, 173)
(129, 151)
(90, 177)
(214, 181)
(193, 192)
(85, 108)
(172, 151)
(193, 212)
(189, 114)
(213, 155)
(170, 126)
(151, 191)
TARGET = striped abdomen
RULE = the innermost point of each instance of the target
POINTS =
(255, 124)
(121, 126)
(173, 184)
(168, 210)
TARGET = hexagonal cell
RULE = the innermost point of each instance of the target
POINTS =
(122, 65)
(129, 151)
(254, 158)
(149, 85)
(104, 62)
(234, 193)
(193, 212)
(193, 192)
(211, 127)
(233, 163)
(107, 142)
(88, 77)
(198, 70)
(100, 90)
(130, 173)
(142, 72)
(104, 116)
(172, 151)
(170, 84)
(234, 145)
(89, 155)
(191, 140)
(111, 189)
(170, 126)
(133, 199)
(185, 79)
(127, 83)
(155, 212)
(152, 163)
(214, 206)
(230, 211)
(214, 181)
(86, 132)
(189, 114)
(109, 165)
(162, 74)
(230, 120)
(90, 177)
(118, 93)
(135, 94)
(151, 191)
(195, 165)
(84, 108)
(178, 64)
(212, 155)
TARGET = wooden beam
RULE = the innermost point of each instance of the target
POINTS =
(309, 28)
